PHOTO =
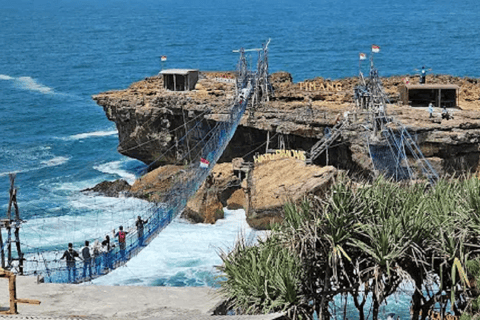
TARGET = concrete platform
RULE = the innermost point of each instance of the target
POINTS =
(82, 302)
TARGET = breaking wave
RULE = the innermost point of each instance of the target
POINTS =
(28, 83)
(57, 161)
(5, 77)
(87, 135)
(114, 168)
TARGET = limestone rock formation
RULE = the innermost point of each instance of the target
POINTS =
(151, 120)
(237, 200)
(273, 183)
(208, 203)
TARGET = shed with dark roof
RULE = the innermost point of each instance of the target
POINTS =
(421, 95)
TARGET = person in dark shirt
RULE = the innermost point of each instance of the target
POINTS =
(423, 75)
(70, 256)
(87, 260)
(107, 248)
(140, 226)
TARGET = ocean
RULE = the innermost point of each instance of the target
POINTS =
(54, 55)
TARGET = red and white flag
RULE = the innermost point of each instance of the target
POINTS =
(204, 163)
(363, 56)
(163, 58)
(375, 48)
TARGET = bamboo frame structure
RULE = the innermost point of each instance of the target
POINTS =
(12, 288)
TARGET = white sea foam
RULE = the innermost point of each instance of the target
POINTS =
(3, 174)
(28, 83)
(29, 159)
(100, 216)
(183, 253)
(92, 135)
(57, 161)
(31, 84)
(114, 167)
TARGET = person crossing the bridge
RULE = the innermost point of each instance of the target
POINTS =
(107, 247)
(87, 260)
(140, 225)
(122, 241)
(97, 253)
(70, 256)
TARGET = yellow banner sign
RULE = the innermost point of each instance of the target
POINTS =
(280, 154)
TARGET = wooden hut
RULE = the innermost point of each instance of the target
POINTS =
(421, 95)
(179, 79)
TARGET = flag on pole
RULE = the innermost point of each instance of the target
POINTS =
(375, 48)
(163, 58)
(204, 163)
(363, 56)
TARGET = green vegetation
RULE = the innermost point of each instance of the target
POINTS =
(365, 241)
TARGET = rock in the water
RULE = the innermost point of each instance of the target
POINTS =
(237, 200)
(110, 188)
(208, 203)
(154, 185)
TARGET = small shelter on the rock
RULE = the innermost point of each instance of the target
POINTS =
(179, 79)
(421, 95)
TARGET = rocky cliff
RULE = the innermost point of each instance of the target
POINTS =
(151, 120)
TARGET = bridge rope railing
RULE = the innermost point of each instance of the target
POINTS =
(47, 263)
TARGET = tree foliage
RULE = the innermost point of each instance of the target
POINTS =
(364, 240)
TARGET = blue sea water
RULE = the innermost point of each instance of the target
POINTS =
(55, 54)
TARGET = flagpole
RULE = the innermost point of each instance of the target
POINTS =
(359, 65)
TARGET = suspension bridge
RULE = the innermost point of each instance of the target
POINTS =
(252, 86)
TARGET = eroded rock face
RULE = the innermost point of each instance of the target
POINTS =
(151, 120)
(208, 203)
(273, 183)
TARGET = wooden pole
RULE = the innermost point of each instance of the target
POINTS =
(2, 252)
(439, 98)
(268, 141)
(17, 232)
(19, 249)
(186, 135)
(9, 217)
(12, 286)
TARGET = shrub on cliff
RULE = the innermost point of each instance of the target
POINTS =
(366, 241)
(262, 278)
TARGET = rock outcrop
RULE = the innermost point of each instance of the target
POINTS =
(273, 183)
(205, 207)
(111, 188)
(208, 203)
